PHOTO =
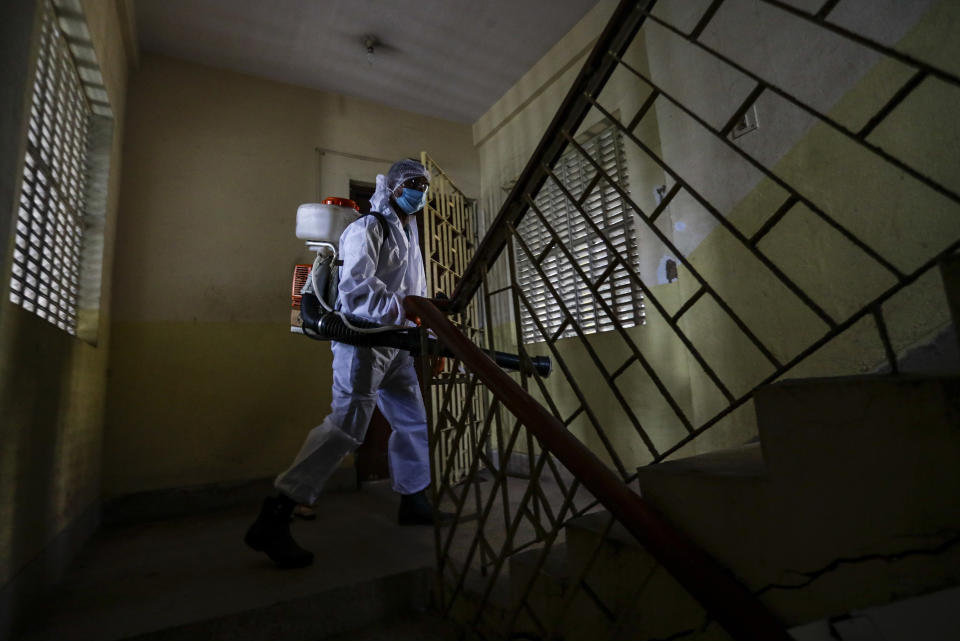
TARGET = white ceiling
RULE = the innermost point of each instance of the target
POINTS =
(447, 58)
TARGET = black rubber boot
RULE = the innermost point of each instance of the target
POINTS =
(270, 533)
(415, 509)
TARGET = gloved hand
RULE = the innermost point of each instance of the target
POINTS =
(441, 301)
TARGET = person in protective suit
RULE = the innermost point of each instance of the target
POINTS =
(379, 270)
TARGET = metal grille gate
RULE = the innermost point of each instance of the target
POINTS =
(449, 240)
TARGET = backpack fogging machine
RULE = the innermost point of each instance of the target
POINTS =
(315, 289)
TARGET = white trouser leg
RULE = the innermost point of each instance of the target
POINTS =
(402, 405)
(357, 374)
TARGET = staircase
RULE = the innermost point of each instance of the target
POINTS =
(849, 500)
(793, 248)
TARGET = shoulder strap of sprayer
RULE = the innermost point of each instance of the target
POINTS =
(384, 225)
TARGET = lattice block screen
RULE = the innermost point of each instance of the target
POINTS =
(46, 260)
(565, 258)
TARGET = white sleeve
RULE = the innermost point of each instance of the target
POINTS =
(361, 292)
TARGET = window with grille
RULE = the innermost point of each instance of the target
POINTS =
(54, 214)
(601, 263)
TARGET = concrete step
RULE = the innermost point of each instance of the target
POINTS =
(950, 273)
(193, 578)
(421, 626)
(937, 352)
(343, 612)
(848, 427)
(159, 505)
(744, 463)
(549, 576)
(524, 565)
(499, 606)
(624, 586)
(715, 499)
(722, 501)
(494, 612)
(855, 501)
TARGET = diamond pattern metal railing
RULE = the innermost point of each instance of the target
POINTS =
(879, 215)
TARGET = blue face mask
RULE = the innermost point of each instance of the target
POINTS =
(412, 200)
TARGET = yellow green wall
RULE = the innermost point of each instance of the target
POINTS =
(506, 136)
(52, 388)
(206, 382)
(903, 219)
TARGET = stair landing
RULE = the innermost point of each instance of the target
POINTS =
(193, 577)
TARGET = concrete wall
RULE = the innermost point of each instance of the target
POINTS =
(507, 134)
(206, 383)
(506, 137)
(52, 385)
(903, 219)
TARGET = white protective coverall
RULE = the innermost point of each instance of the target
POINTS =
(377, 273)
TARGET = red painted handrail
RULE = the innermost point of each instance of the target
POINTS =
(728, 603)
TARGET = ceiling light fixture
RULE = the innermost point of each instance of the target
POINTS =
(369, 42)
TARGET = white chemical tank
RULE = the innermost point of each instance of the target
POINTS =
(324, 222)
